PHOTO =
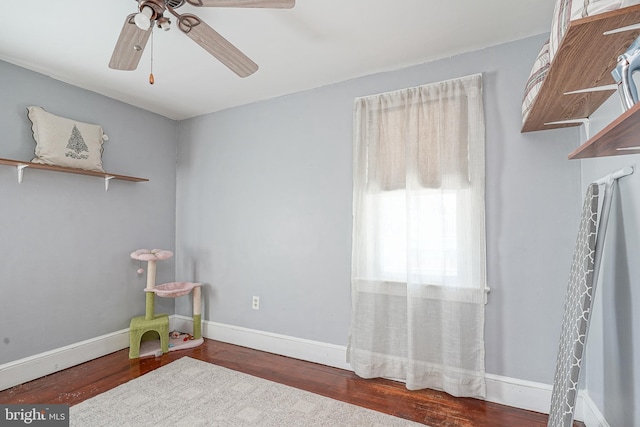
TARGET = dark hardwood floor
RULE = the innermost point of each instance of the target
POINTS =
(432, 408)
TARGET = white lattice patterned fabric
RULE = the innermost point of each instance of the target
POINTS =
(577, 310)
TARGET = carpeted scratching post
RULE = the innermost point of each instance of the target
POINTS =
(159, 323)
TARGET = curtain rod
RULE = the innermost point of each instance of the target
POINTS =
(393, 92)
(614, 175)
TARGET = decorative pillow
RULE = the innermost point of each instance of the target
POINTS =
(65, 142)
(536, 78)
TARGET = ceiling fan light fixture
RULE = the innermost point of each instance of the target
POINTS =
(143, 19)
(164, 23)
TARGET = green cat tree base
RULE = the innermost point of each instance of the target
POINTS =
(149, 334)
(140, 325)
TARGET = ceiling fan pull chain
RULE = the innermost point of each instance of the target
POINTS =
(151, 79)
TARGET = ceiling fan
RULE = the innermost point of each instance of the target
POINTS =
(136, 31)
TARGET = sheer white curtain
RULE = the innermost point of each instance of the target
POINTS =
(418, 266)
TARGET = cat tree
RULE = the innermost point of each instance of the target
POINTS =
(159, 323)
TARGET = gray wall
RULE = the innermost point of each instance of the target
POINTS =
(264, 208)
(613, 356)
(65, 271)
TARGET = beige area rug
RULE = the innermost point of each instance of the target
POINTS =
(192, 393)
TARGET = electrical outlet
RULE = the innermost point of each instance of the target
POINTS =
(255, 303)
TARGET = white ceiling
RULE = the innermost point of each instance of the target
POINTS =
(318, 42)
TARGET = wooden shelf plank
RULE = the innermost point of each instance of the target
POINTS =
(585, 59)
(615, 139)
(31, 165)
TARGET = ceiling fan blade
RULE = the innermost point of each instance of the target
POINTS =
(275, 4)
(129, 47)
(216, 45)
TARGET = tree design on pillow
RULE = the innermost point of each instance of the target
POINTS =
(77, 145)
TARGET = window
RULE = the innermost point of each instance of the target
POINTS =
(420, 206)
(435, 239)
(418, 264)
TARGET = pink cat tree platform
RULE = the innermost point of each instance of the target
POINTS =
(158, 324)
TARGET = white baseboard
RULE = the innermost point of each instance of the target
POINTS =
(297, 348)
(32, 367)
(508, 391)
(536, 397)
(591, 415)
(523, 394)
